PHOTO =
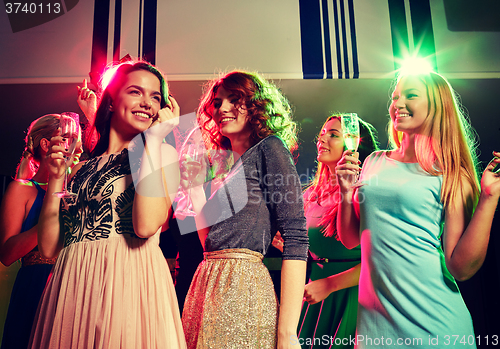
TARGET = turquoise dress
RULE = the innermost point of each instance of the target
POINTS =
(330, 323)
(407, 296)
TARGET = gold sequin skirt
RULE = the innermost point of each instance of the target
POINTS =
(231, 303)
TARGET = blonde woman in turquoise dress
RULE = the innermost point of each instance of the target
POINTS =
(328, 316)
(423, 221)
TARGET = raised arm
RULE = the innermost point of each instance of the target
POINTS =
(466, 239)
(347, 220)
(158, 178)
(87, 101)
(199, 200)
(193, 175)
(50, 237)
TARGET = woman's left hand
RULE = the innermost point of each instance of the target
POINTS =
(490, 181)
(278, 241)
(166, 120)
(316, 291)
(87, 100)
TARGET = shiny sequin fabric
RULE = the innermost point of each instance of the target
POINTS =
(231, 303)
(34, 258)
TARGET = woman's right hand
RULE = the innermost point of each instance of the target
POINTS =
(56, 162)
(193, 173)
(347, 170)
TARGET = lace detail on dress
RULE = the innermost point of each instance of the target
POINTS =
(123, 210)
(105, 196)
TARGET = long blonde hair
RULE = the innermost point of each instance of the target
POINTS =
(43, 127)
(447, 144)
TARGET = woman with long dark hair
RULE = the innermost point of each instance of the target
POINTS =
(111, 285)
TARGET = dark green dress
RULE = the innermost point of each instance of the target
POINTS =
(332, 322)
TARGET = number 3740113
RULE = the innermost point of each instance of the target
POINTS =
(32, 7)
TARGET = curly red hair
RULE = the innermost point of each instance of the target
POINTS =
(269, 112)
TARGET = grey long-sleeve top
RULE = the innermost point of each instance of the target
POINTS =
(260, 196)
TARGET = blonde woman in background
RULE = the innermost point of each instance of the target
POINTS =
(19, 214)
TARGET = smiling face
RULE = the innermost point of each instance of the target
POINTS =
(330, 143)
(230, 115)
(410, 106)
(136, 102)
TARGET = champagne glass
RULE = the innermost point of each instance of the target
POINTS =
(70, 132)
(192, 163)
(350, 131)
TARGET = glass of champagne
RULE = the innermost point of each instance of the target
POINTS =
(68, 123)
(193, 156)
(350, 131)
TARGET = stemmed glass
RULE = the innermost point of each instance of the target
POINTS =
(193, 157)
(350, 130)
(70, 133)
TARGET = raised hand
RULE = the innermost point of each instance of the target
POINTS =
(193, 171)
(165, 121)
(490, 181)
(87, 100)
(347, 170)
(56, 161)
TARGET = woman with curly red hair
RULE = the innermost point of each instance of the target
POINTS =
(247, 127)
